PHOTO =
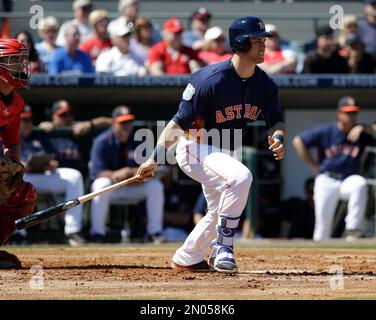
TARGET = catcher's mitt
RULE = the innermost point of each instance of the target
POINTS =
(11, 175)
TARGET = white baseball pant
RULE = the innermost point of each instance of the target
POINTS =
(63, 180)
(225, 182)
(151, 191)
(327, 192)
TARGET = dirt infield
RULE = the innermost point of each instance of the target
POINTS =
(143, 272)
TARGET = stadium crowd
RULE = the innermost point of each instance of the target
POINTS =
(134, 45)
(69, 166)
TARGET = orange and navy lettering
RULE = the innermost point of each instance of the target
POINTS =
(229, 111)
(238, 108)
(232, 112)
(219, 117)
(251, 112)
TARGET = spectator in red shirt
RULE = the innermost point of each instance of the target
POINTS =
(170, 56)
(215, 48)
(277, 59)
(101, 41)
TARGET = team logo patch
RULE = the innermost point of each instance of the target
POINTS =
(189, 92)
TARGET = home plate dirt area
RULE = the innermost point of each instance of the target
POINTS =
(268, 270)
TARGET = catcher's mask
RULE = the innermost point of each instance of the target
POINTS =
(14, 63)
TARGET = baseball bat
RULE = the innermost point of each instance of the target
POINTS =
(43, 215)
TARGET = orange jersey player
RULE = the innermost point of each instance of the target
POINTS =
(17, 198)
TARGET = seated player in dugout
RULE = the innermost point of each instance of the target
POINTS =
(340, 146)
(38, 154)
(17, 198)
(64, 117)
(113, 160)
(72, 147)
(226, 95)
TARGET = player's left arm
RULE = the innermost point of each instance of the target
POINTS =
(276, 139)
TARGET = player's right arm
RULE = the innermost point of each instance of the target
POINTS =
(305, 154)
(169, 137)
(194, 101)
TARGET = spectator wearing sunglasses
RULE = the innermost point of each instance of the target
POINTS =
(81, 11)
(215, 48)
(277, 59)
(49, 27)
(100, 41)
(69, 59)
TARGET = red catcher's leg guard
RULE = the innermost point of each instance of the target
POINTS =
(22, 201)
(7, 227)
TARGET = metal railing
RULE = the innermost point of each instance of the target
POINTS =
(370, 151)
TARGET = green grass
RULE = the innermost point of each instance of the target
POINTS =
(368, 243)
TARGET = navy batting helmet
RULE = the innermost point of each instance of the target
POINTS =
(242, 29)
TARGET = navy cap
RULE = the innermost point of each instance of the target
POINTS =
(60, 107)
(122, 114)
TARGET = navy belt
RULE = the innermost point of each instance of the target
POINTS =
(333, 175)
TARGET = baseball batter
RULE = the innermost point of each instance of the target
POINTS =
(222, 97)
(340, 145)
(17, 198)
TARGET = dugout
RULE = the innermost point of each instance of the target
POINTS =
(306, 99)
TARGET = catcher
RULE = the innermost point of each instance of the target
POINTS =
(17, 198)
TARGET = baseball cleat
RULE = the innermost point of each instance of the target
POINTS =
(225, 260)
(198, 267)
